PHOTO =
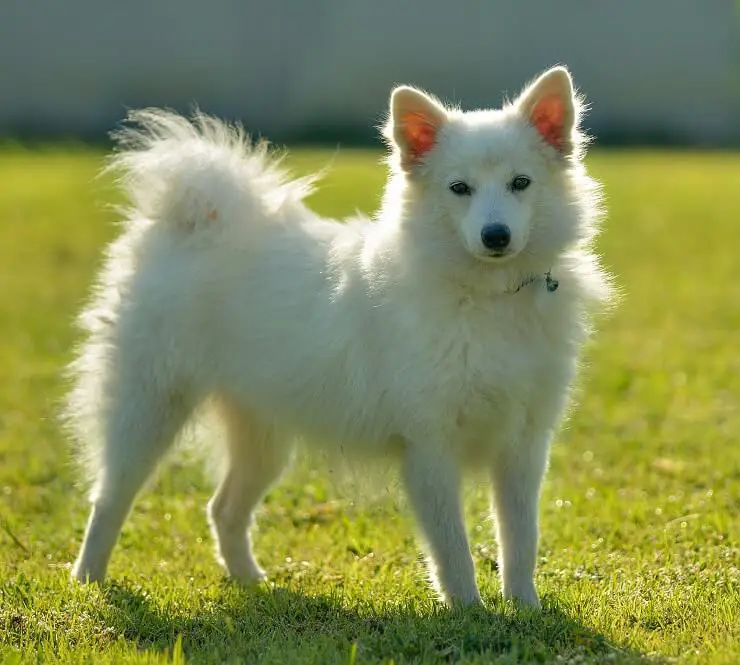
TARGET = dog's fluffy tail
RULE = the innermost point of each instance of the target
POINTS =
(190, 178)
(192, 172)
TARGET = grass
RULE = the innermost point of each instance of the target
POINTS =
(640, 544)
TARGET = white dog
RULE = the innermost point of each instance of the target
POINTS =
(445, 331)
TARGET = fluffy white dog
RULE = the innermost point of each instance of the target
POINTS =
(445, 331)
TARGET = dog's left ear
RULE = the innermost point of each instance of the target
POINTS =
(549, 105)
(415, 120)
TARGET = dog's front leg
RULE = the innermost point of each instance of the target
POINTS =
(516, 476)
(432, 478)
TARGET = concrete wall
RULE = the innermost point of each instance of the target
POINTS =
(657, 69)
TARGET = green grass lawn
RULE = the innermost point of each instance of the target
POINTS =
(640, 548)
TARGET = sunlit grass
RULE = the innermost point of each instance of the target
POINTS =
(640, 532)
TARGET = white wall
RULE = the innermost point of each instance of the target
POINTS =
(648, 67)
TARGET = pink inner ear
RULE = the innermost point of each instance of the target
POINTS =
(548, 116)
(419, 132)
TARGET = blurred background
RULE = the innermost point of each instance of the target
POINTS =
(661, 72)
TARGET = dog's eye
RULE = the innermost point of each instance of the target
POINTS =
(520, 183)
(461, 188)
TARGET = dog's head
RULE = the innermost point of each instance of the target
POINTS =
(494, 177)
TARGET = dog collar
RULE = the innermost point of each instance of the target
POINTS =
(551, 284)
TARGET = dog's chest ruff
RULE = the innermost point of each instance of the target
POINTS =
(507, 356)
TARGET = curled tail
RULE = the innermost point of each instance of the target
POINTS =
(182, 177)
(190, 172)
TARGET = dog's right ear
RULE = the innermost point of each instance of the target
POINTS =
(415, 120)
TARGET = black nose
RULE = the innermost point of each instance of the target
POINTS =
(495, 236)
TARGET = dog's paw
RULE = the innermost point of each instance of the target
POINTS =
(247, 575)
(463, 600)
(85, 574)
(526, 597)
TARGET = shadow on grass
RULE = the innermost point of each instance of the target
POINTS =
(283, 626)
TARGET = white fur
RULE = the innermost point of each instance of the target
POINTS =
(396, 335)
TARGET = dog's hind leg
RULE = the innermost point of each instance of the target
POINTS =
(432, 479)
(140, 426)
(258, 455)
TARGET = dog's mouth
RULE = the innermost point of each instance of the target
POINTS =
(495, 256)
